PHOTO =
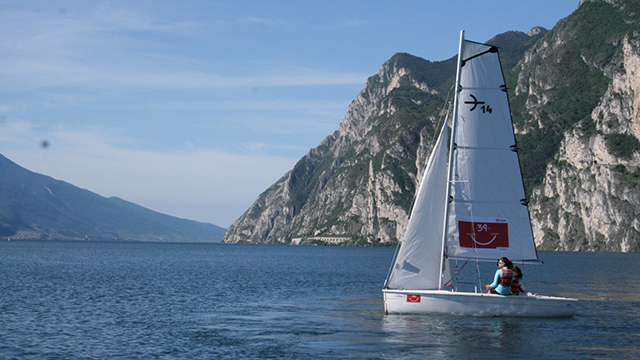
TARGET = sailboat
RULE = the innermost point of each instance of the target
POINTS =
(470, 206)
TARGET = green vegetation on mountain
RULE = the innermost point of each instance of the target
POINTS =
(622, 145)
(576, 76)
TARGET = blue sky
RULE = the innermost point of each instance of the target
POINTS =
(193, 108)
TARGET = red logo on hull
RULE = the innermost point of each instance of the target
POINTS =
(413, 298)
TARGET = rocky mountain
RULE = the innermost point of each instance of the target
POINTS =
(38, 207)
(575, 103)
(589, 198)
(361, 180)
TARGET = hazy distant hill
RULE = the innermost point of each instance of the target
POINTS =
(575, 102)
(34, 206)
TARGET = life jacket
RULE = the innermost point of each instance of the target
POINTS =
(515, 286)
(507, 278)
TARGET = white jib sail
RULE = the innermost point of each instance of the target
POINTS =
(417, 265)
(487, 217)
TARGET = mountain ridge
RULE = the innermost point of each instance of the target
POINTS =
(359, 182)
(393, 105)
(39, 207)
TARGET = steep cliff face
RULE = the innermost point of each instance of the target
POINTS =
(578, 119)
(590, 199)
(359, 181)
(575, 100)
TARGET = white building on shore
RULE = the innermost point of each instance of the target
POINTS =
(326, 239)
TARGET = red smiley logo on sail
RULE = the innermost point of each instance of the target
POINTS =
(484, 235)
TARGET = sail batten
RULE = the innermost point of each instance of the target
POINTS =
(513, 202)
(484, 148)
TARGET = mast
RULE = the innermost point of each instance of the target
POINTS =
(454, 122)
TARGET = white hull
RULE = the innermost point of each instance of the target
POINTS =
(475, 304)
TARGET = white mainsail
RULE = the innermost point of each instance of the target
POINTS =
(417, 265)
(488, 217)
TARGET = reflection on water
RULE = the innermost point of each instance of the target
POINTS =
(459, 337)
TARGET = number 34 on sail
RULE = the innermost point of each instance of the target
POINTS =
(470, 204)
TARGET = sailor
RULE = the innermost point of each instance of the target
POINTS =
(516, 286)
(503, 278)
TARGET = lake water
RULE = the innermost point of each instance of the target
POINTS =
(77, 300)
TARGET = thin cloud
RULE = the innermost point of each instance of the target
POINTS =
(263, 21)
(120, 19)
(66, 73)
(214, 179)
(49, 50)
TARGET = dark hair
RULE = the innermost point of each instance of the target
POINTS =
(506, 262)
(517, 273)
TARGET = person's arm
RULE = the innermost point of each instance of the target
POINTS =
(496, 279)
